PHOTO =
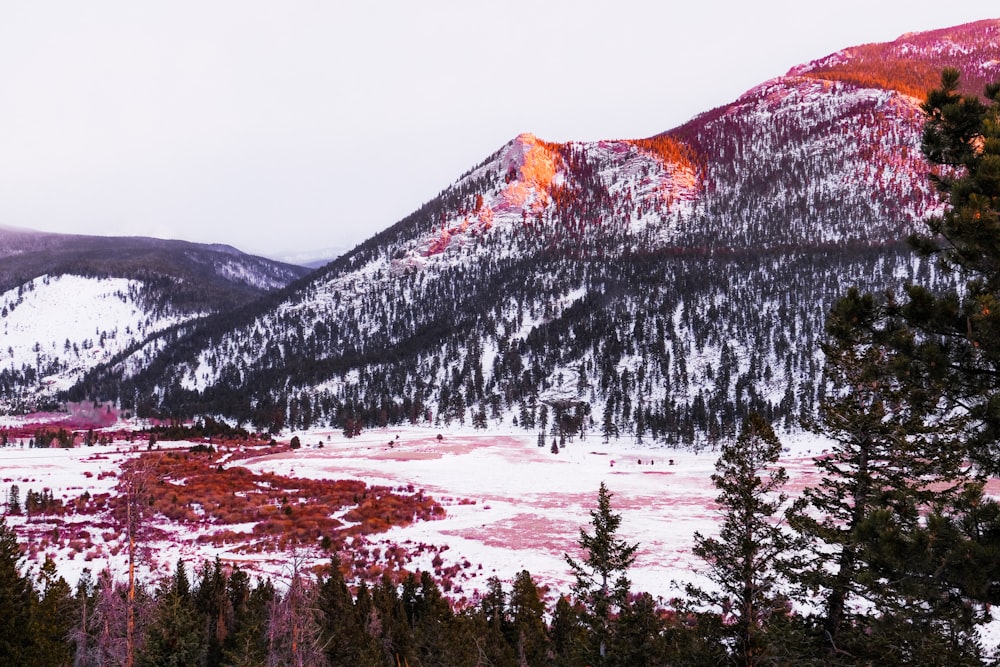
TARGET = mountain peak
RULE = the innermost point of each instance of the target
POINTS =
(530, 165)
(912, 63)
(655, 287)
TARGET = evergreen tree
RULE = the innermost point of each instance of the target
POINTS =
(175, 637)
(372, 651)
(215, 610)
(343, 636)
(957, 333)
(247, 645)
(433, 627)
(51, 620)
(602, 583)
(569, 635)
(746, 560)
(895, 459)
(916, 389)
(14, 500)
(638, 640)
(527, 632)
(386, 621)
(79, 635)
(17, 596)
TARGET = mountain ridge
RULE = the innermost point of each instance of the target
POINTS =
(658, 288)
(109, 294)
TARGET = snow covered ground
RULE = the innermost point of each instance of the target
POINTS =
(64, 325)
(510, 505)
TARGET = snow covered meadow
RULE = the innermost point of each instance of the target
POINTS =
(508, 504)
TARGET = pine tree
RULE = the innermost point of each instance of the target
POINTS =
(247, 645)
(387, 622)
(569, 634)
(215, 610)
(51, 620)
(14, 500)
(910, 375)
(343, 636)
(175, 636)
(746, 560)
(639, 640)
(602, 583)
(527, 633)
(17, 596)
(433, 625)
(895, 459)
(79, 634)
(956, 335)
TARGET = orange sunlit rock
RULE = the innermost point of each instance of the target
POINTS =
(536, 165)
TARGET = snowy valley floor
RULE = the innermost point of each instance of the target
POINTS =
(509, 504)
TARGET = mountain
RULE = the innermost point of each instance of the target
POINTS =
(69, 303)
(201, 277)
(311, 259)
(658, 289)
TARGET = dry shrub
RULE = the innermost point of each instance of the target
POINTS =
(296, 510)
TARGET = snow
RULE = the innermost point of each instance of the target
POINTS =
(510, 505)
(62, 326)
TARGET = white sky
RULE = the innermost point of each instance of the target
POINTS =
(295, 125)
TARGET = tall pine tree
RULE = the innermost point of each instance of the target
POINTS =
(746, 561)
(17, 595)
(957, 333)
(602, 583)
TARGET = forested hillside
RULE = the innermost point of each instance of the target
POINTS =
(656, 289)
(69, 303)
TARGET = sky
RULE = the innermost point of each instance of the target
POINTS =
(289, 128)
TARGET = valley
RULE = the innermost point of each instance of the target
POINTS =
(498, 504)
(404, 449)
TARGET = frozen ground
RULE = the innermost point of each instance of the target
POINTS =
(510, 505)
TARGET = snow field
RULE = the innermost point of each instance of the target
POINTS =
(510, 505)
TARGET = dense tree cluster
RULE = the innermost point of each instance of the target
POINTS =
(657, 346)
(894, 67)
(223, 618)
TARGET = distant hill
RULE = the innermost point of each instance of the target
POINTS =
(199, 276)
(69, 302)
(311, 259)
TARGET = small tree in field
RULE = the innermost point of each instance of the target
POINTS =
(14, 500)
(744, 562)
(602, 583)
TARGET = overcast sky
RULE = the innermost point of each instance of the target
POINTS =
(290, 126)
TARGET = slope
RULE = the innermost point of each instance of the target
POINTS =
(69, 303)
(657, 288)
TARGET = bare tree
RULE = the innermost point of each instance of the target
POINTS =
(133, 487)
(293, 633)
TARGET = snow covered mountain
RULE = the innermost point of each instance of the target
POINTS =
(657, 289)
(69, 303)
